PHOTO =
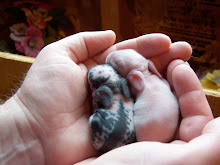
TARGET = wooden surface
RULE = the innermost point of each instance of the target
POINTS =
(110, 16)
(214, 101)
(116, 16)
(12, 71)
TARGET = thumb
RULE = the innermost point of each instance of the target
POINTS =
(143, 153)
(81, 46)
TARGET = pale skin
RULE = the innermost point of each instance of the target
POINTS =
(156, 110)
(46, 121)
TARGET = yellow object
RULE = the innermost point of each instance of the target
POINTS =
(211, 80)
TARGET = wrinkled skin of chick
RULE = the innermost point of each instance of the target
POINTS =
(111, 125)
(156, 109)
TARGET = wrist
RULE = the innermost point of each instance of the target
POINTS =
(18, 141)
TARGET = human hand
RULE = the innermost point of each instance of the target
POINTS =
(197, 134)
(54, 95)
(52, 108)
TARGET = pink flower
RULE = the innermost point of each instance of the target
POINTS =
(33, 31)
(32, 43)
(18, 31)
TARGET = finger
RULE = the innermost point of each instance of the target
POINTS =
(148, 45)
(202, 150)
(86, 162)
(194, 107)
(156, 47)
(127, 60)
(144, 153)
(207, 146)
(170, 68)
(212, 127)
(177, 50)
(82, 45)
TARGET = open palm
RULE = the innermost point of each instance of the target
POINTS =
(55, 91)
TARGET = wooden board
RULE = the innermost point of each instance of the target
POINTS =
(12, 71)
(214, 101)
(110, 16)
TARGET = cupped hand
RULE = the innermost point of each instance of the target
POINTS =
(54, 95)
(196, 140)
(198, 135)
